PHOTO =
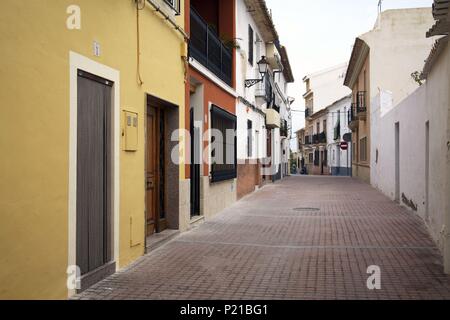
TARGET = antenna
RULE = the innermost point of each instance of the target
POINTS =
(380, 3)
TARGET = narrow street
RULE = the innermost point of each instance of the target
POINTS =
(304, 238)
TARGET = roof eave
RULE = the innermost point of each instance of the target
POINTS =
(358, 56)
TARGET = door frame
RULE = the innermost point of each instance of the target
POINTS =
(76, 62)
(397, 162)
(160, 224)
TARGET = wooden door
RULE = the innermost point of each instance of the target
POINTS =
(151, 172)
(195, 167)
(93, 213)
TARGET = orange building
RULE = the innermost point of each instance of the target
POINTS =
(211, 104)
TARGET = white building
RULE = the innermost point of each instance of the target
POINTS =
(324, 87)
(263, 109)
(339, 161)
(383, 59)
(410, 128)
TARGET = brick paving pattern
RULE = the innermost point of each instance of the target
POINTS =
(304, 238)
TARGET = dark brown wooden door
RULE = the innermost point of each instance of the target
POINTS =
(94, 218)
(151, 172)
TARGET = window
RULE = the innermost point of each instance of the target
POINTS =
(324, 126)
(363, 149)
(251, 42)
(223, 144)
(311, 158)
(174, 4)
(249, 139)
(316, 158)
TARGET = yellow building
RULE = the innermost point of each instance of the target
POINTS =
(83, 181)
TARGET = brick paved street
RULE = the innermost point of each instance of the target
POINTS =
(268, 246)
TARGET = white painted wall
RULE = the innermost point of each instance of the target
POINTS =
(398, 47)
(427, 103)
(328, 86)
(244, 70)
(338, 112)
(259, 133)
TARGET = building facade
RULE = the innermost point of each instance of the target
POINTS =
(262, 148)
(315, 147)
(398, 34)
(338, 133)
(84, 183)
(324, 87)
(212, 99)
(410, 162)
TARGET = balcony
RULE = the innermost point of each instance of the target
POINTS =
(207, 48)
(284, 130)
(308, 140)
(264, 91)
(323, 137)
(320, 138)
(308, 113)
(273, 119)
(361, 108)
(358, 110)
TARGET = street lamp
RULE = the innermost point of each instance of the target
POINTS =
(263, 67)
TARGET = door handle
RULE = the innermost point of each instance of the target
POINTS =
(149, 184)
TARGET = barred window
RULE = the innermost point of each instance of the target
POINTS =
(223, 143)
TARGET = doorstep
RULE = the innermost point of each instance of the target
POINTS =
(156, 240)
(196, 221)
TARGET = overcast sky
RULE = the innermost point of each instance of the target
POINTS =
(320, 33)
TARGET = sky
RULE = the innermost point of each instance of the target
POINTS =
(320, 33)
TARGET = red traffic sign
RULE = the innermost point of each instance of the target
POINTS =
(344, 146)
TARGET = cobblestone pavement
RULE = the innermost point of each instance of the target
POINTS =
(304, 238)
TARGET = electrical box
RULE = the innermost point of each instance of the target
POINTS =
(130, 132)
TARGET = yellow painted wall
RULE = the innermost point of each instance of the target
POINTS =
(34, 127)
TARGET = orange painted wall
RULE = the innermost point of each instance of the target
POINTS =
(213, 93)
(217, 96)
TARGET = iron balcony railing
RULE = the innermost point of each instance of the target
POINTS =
(352, 113)
(264, 89)
(308, 140)
(308, 113)
(358, 107)
(361, 102)
(315, 139)
(206, 47)
(284, 130)
(323, 137)
(319, 138)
